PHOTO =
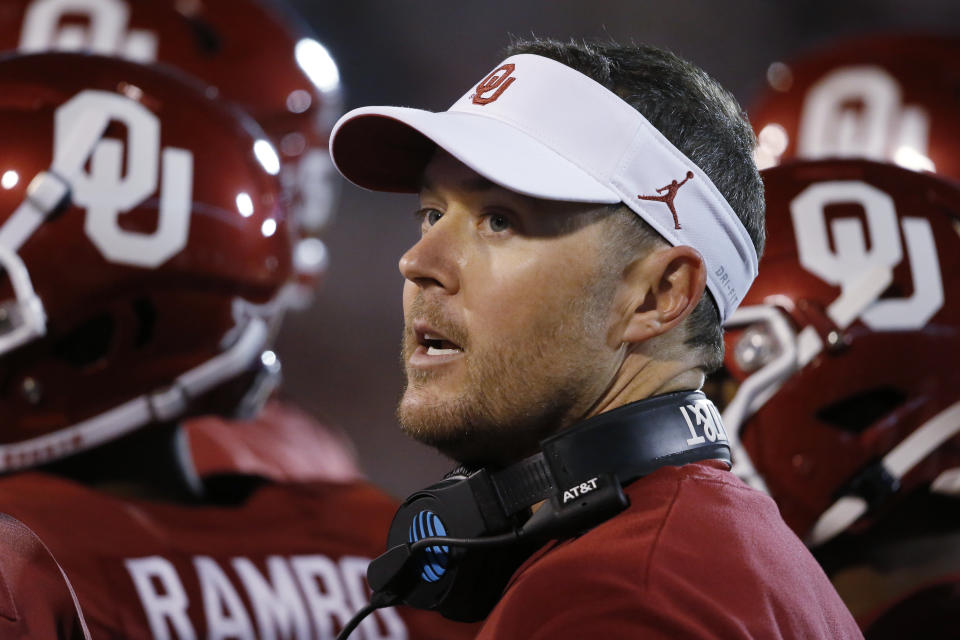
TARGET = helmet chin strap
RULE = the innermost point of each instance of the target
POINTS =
(897, 463)
(798, 350)
(161, 405)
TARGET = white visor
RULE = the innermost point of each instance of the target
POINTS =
(539, 128)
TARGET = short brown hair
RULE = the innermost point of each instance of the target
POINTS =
(700, 118)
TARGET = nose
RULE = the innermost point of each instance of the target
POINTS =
(432, 263)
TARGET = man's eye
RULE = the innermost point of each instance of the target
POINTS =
(498, 222)
(430, 216)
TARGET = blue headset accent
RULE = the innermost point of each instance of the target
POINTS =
(427, 524)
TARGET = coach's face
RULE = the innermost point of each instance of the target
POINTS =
(510, 317)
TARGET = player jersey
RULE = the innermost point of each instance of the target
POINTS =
(283, 443)
(36, 599)
(290, 562)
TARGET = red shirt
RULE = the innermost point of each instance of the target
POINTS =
(283, 443)
(288, 563)
(698, 554)
(36, 599)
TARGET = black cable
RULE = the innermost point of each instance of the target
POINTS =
(377, 601)
(467, 543)
(381, 599)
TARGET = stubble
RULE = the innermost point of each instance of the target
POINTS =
(517, 391)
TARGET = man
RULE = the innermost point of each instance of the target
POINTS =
(143, 237)
(553, 287)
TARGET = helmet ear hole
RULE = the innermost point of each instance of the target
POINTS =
(205, 36)
(857, 412)
(88, 343)
(146, 314)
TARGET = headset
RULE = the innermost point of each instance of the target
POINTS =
(453, 546)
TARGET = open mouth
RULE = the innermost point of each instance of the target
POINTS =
(437, 345)
(433, 347)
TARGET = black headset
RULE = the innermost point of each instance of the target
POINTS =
(453, 546)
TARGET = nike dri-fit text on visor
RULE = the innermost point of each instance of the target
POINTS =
(542, 129)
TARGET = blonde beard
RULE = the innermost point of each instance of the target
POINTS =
(519, 393)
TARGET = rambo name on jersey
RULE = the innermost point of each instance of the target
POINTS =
(302, 597)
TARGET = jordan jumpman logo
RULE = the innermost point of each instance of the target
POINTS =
(671, 193)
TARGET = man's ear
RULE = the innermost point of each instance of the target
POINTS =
(666, 287)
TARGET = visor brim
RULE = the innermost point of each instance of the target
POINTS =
(387, 149)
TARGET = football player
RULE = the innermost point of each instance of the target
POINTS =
(892, 98)
(258, 55)
(848, 407)
(145, 241)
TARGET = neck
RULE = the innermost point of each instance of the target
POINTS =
(642, 376)
(152, 463)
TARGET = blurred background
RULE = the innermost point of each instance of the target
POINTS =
(341, 356)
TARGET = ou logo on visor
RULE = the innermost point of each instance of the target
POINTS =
(106, 34)
(850, 257)
(107, 191)
(497, 81)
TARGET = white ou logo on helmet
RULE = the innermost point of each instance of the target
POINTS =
(881, 129)
(106, 190)
(107, 33)
(313, 178)
(850, 258)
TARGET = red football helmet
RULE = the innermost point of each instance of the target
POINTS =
(893, 98)
(846, 345)
(142, 240)
(255, 53)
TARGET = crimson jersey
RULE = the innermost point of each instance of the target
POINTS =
(290, 562)
(283, 443)
(36, 598)
(698, 554)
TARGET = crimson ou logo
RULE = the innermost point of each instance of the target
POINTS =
(107, 189)
(493, 86)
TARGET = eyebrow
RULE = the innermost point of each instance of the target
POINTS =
(478, 183)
